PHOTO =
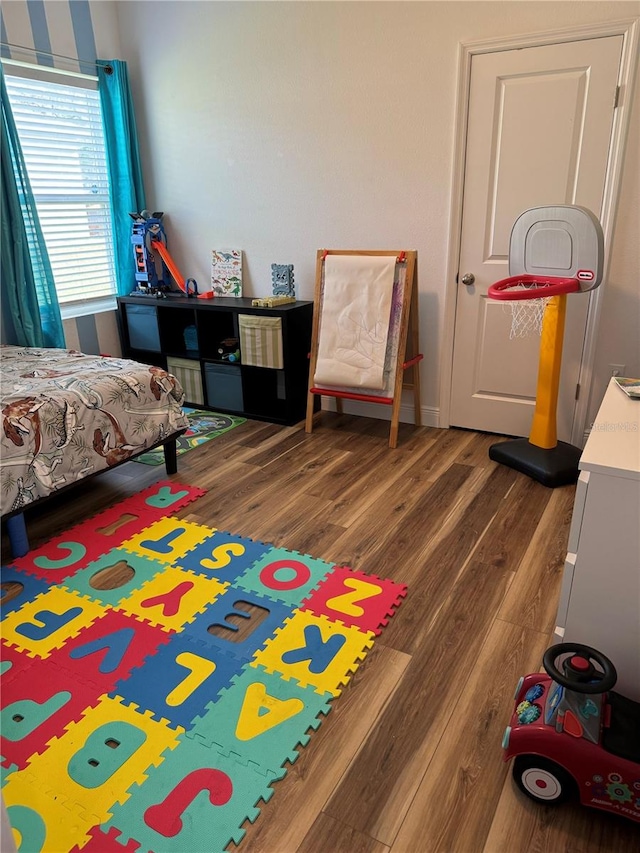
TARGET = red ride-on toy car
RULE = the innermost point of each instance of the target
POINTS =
(570, 733)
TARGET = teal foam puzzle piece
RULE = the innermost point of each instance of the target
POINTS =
(261, 718)
(285, 576)
(197, 799)
(142, 568)
(76, 551)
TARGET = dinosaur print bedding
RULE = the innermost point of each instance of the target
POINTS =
(66, 415)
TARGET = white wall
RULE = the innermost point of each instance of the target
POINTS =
(281, 128)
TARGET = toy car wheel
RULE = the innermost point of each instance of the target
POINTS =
(542, 780)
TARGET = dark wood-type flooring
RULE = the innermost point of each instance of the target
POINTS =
(409, 760)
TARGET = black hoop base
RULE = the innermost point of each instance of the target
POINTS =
(553, 467)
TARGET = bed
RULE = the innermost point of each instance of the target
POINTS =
(67, 416)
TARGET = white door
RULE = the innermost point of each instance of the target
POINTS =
(539, 132)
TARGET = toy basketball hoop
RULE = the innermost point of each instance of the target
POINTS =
(553, 251)
(527, 296)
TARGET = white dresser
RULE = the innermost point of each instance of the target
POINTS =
(600, 597)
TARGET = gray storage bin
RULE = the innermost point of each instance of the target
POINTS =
(142, 321)
(224, 386)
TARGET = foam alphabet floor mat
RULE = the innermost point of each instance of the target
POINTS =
(135, 714)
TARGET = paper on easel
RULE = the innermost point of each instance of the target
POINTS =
(354, 325)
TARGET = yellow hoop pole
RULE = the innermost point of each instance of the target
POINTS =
(543, 428)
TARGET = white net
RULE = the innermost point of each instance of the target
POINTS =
(526, 314)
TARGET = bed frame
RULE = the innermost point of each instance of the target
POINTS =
(15, 521)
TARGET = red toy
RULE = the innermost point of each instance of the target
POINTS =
(570, 733)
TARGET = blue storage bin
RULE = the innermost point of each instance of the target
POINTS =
(224, 386)
(142, 321)
(190, 335)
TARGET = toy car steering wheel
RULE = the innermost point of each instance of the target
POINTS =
(578, 672)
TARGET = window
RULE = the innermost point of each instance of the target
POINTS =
(60, 130)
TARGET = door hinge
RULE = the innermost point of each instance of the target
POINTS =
(577, 391)
(616, 98)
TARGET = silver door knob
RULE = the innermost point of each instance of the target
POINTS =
(468, 278)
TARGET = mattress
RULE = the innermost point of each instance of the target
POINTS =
(67, 415)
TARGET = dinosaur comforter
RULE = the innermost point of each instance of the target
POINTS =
(66, 415)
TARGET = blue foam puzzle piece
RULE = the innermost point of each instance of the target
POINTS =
(150, 685)
(221, 551)
(31, 587)
(218, 613)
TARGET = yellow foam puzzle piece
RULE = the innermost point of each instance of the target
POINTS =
(47, 622)
(351, 645)
(94, 763)
(167, 539)
(172, 598)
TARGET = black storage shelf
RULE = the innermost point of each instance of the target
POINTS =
(177, 328)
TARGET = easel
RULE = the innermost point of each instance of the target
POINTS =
(405, 357)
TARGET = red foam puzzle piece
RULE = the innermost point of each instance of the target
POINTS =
(59, 700)
(163, 498)
(113, 526)
(356, 599)
(93, 641)
(106, 842)
(59, 558)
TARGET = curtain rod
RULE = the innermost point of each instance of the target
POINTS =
(97, 62)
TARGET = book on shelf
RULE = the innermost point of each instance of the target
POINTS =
(631, 387)
(226, 272)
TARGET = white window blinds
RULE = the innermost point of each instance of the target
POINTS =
(62, 140)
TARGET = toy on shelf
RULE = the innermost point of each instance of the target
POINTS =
(152, 257)
(271, 301)
(282, 280)
(570, 733)
(229, 350)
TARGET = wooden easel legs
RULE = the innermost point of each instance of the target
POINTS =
(395, 402)
(408, 357)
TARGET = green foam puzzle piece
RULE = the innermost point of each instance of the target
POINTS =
(284, 576)
(192, 819)
(261, 719)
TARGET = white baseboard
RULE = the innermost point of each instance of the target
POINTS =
(430, 414)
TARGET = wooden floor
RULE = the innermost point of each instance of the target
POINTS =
(409, 759)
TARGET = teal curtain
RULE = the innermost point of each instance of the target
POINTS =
(29, 302)
(123, 158)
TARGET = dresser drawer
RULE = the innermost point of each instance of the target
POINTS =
(578, 511)
(565, 592)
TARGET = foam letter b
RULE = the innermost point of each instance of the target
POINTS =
(105, 751)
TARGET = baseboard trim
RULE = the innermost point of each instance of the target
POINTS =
(430, 414)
